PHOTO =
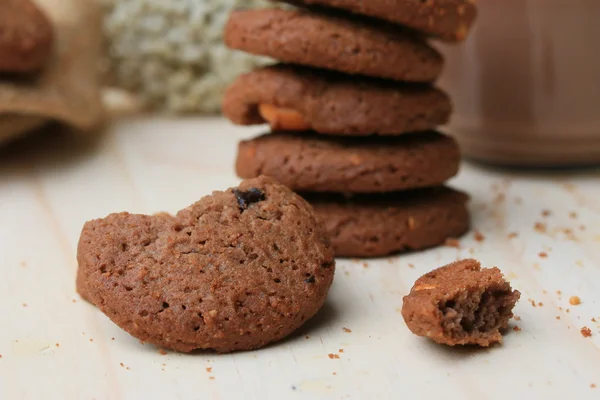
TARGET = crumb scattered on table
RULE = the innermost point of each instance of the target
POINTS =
(479, 237)
(333, 356)
(573, 215)
(162, 352)
(532, 302)
(91, 340)
(516, 328)
(593, 319)
(540, 304)
(513, 235)
(347, 330)
(340, 350)
(574, 300)
(306, 337)
(24, 304)
(540, 227)
(212, 378)
(586, 332)
(558, 317)
(57, 344)
(546, 213)
(208, 369)
(517, 318)
(543, 254)
(451, 242)
(334, 373)
(365, 265)
(112, 338)
(73, 301)
(593, 386)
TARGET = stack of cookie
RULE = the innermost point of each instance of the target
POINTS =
(353, 112)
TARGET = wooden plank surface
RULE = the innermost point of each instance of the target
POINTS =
(54, 345)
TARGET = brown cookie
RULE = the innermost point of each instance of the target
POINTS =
(26, 37)
(341, 44)
(336, 104)
(460, 304)
(447, 19)
(310, 162)
(235, 271)
(375, 225)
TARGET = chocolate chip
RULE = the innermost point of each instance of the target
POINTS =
(250, 196)
(310, 279)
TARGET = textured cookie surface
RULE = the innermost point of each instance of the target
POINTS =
(460, 304)
(26, 36)
(235, 271)
(374, 225)
(334, 104)
(346, 45)
(310, 162)
(447, 19)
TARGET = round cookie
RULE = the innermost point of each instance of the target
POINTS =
(376, 225)
(336, 104)
(460, 304)
(26, 37)
(235, 271)
(447, 19)
(310, 162)
(347, 45)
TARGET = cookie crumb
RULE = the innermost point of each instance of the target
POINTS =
(540, 227)
(347, 330)
(543, 254)
(24, 305)
(540, 304)
(306, 337)
(479, 237)
(121, 364)
(586, 332)
(516, 328)
(340, 350)
(517, 318)
(162, 352)
(579, 263)
(91, 340)
(112, 338)
(593, 386)
(73, 301)
(558, 317)
(573, 215)
(333, 356)
(0, 355)
(365, 265)
(513, 235)
(533, 302)
(546, 213)
(411, 265)
(593, 319)
(208, 369)
(57, 344)
(574, 300)
(451, 242)
(212, 378)
(334, 373)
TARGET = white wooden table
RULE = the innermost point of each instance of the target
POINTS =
(56, 346)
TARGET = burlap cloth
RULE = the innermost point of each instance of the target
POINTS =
(68, 89)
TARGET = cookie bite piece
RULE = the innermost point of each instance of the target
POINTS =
(237, 270)
(460, 304)
(322, 40)
(293, 98)
(26, 37)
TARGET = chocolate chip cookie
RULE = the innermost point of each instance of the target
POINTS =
(375, 225)
(460, 304)
(310, 162)
(335, 104)
(447, 19)
(235, 271)
(347, 45)
(26, 37)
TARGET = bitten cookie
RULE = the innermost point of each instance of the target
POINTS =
(376, 225)
(446, 19)
(310, 162)
(26, 37)
(460, 304)
(334, 104)
(341, 44)
(235, 271)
